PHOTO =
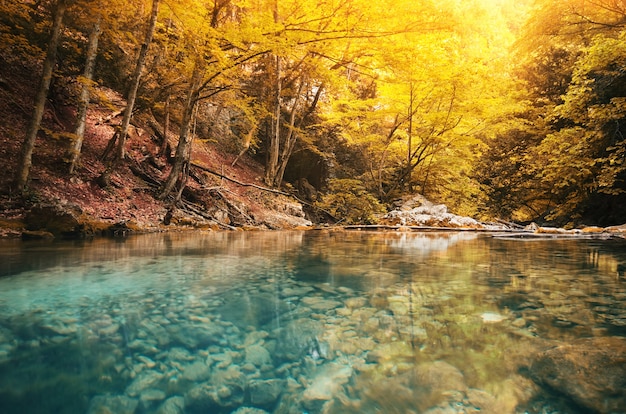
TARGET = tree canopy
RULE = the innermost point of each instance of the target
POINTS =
(502, 108)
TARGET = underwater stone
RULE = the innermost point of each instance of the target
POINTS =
(398, 305)
(59, 328)
(258, 356)
(145, 380)
(193, 336)
(179, 354)
(255, 337)
(590, 371)
(222, 360)
(519, 323)
(492, 317)
(202, 399)
(297, 291)
(147, 361)
(226, 390)
(265, 393)
(297, 338)
(197, 371)
(439, 378)
(318, 303)
(326, 384)
(173, 405)
(143, 346)
(109, 330)
(157, 332)
(355, 303)
(391, 351)
(118, 404)
(249, 410)
(149, 398)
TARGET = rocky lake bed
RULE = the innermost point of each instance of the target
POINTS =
(254, 334)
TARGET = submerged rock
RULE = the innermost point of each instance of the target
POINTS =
(325, 385)
(118, 404)
(202, 398)
(257, 355)
(146, 379)
(590, 371)
(173, 405)
(492, 317)
(439, 378)
(226, 391)
(249, 410)
(197, 371)
(150, 398)
(265, 393)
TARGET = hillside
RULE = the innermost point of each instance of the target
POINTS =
(209, 201)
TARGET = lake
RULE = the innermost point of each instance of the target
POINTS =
(298, 322)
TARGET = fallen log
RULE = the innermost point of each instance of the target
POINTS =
(258, 187)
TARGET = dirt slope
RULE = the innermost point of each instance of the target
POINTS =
(212, 202)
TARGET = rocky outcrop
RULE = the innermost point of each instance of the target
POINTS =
(416, 210)
(67, 221)
(61, 221)
(591, 372)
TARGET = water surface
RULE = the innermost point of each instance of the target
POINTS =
(297, 322)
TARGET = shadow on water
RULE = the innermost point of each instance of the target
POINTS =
(333, 322)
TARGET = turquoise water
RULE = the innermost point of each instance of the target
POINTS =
(297, 322)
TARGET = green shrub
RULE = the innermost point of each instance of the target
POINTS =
(349, 201)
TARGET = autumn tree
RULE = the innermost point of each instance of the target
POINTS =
(86, 81)
(433, 87)
(119, 138)
(568, 164)
(25, 163)
(216, 49)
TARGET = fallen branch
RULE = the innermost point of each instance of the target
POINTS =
(258, 187)
(186, 205)
(271, 190)
(230, 204)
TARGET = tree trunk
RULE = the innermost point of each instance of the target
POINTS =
(83, 103)
(134, 86)
(410, 137)
(122, 132)
(274, 145)
(28, 145)
(166, 127)
(183, 150)
(290, 141)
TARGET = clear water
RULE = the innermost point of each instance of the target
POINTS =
(296, 322)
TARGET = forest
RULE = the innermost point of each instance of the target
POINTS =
(508, 109)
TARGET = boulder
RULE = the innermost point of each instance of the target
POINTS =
(62, 221)
(591, 372)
